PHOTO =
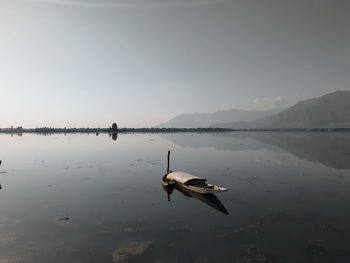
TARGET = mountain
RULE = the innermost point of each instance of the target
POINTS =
(197, 120)
(329, 111)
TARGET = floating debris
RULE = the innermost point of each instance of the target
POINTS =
(133, 249)
(201, 260)
(65, 220)
(255, 226)
(246, 228)
(7, 240)
(254, 255)
(9, 260)
(172, 245)
(104, 232)
(130, 230)
(316, 247)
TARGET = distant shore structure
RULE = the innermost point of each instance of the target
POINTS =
(114, 128)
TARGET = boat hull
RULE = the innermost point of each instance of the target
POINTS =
(215, 189)
(191, 182)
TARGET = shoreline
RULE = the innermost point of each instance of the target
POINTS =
(163, 130)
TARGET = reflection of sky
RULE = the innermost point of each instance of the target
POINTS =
(89, 63)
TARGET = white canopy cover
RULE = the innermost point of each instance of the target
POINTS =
(183, 177)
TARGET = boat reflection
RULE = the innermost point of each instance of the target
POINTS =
(210, 199)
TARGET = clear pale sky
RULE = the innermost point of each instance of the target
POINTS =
(88, 63)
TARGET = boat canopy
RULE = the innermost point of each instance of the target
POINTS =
(184, 177)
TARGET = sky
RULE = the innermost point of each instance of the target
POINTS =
(89, 63)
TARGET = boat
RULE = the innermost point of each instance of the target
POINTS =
(189, 181)
(193, 183)
(209, 199)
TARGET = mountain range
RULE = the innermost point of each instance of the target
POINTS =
(204, 120)
(328, 111)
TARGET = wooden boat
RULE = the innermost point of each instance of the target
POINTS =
(193, 183)
(190, 182)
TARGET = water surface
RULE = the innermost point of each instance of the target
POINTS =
(87, 198)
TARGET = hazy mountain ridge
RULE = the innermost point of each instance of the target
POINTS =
(328, 111)
(195, 120)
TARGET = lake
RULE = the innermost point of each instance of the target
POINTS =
(88, 198)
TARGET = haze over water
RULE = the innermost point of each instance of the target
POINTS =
(87, 198)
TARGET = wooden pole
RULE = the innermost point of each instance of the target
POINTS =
(167, 170)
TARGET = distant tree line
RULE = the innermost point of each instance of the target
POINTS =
(114, 129)
(111, 130)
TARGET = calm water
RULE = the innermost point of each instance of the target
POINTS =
(87, 198)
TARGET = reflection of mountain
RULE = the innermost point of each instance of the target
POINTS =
(330, 149)
(210, 199)
(231, 141)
